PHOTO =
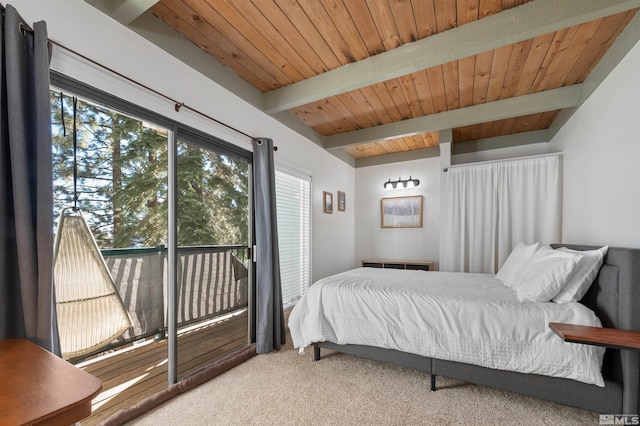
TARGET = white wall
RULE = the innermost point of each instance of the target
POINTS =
(82, 28)
(601, 150)
(333, 234)
(373, 241)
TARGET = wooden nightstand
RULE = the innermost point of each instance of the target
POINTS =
(398, 264)
(607, 337)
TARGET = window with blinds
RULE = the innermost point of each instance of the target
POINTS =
(293, 200)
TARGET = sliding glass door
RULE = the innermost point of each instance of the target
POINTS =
(212, 268)
(167, 210)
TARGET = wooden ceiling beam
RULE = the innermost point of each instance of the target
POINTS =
(511, 26)
(549, 100)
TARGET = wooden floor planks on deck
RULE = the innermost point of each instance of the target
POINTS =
(138, 372)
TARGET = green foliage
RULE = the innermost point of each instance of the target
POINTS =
(122, 181)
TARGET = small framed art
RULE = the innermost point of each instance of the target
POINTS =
(342, 201)
(327, 198)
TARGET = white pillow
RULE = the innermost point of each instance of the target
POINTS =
(546, 274)
(515, 263)
(582, 278)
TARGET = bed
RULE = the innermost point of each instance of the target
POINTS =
(607, 383)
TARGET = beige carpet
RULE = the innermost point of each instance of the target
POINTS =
(286, 388)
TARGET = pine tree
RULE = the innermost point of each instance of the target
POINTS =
(122, 181)
(93, 171)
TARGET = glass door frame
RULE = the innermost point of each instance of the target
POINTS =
(176, 130)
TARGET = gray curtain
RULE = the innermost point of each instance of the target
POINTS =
(270, 331)
(27, 308)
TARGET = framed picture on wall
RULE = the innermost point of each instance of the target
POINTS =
(327, 198)
(401, 212)
(342, 201)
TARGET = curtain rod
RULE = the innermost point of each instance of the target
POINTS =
(528, 157)
(177, 105)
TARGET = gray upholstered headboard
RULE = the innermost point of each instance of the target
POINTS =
(615, 298)
(615, 293)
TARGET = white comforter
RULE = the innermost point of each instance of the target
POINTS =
(464, 317)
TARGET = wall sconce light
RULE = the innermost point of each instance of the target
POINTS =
(401, 184)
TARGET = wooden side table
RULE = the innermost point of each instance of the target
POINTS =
(41, 388)
(607, 337)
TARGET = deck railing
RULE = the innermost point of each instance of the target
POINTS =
(212, 280)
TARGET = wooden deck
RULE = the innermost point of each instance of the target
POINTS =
(135, 373)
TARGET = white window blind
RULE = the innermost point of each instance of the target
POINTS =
(293, 201)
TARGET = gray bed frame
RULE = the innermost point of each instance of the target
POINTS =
(614, 297)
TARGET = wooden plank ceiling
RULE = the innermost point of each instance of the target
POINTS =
(273, 44)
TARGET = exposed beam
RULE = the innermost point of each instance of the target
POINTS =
(129, 10)
(549, 100)
(446, 136)
(511, 26)
(506, 141)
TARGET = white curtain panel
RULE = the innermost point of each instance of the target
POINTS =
(470, 224)
(491, 207)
